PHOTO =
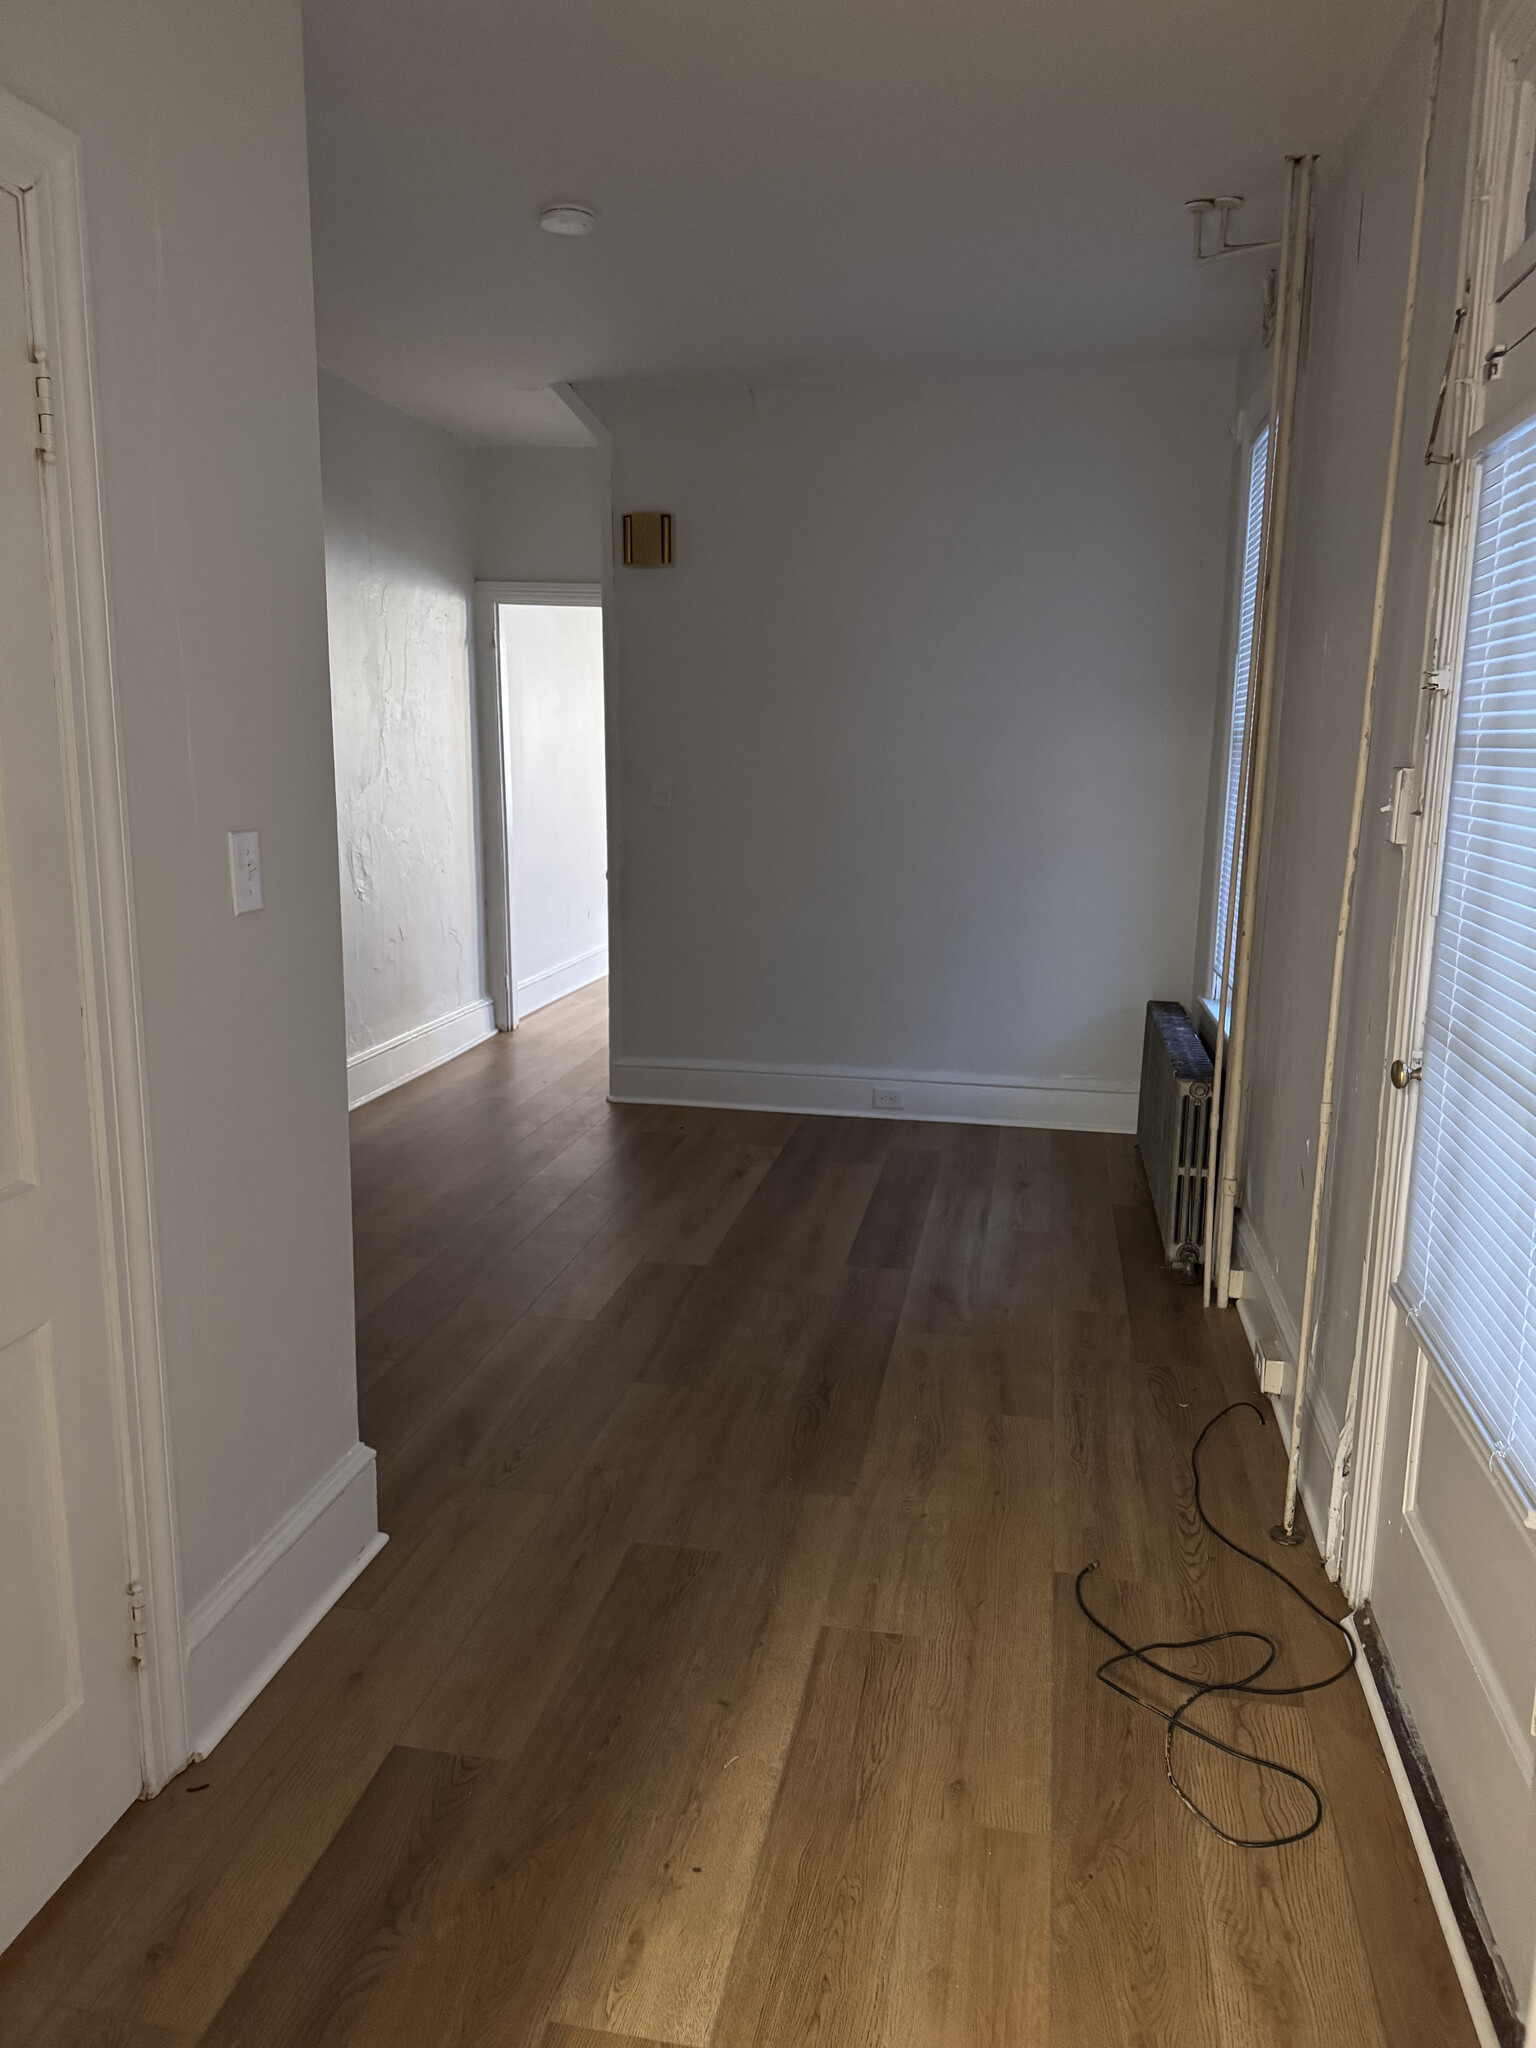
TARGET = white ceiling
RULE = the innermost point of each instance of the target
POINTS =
(793, 185)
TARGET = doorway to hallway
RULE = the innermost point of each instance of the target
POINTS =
(544, 792)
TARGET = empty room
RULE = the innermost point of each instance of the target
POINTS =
(767, 1024)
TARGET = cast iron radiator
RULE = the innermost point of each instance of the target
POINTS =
(1171, 1129)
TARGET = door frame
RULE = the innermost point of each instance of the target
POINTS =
(497, 836)
(1507, 39)
(40, 162)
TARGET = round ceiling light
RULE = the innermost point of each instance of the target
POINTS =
(567, 219)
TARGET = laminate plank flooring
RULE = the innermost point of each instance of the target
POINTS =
(723, 1684)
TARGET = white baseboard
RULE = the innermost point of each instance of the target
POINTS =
(1320, 1431)
(1071, 1103)
(382, 1067)
(251, 1623)
(1434, 1882)
(551, 983)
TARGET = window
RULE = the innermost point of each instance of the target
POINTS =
(1470, 1271)
(1227, 876)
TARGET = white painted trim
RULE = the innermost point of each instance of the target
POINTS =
(379, 1068)
(497, 824)
(1434, 1883)
(563, 979)
(495, 816)
(42, 159)
(1322, 1428)
(589, 594)
(205, 1617)
(239, 1634)
(1255, 1258)
(1070, 1103)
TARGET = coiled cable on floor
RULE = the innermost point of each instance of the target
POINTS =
(1176, 1719)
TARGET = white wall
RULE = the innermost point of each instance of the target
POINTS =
(399, 551)
(192, 122)
(1364, 215)
(932, 680)
(540, 514)
(552, 679)
(412, 518)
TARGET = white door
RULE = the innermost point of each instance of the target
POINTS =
(1454, 1585)
(551, 659)
(69, 1730)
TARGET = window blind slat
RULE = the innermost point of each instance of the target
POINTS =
(1472, 1205)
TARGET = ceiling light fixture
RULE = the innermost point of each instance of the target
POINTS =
(567, 219)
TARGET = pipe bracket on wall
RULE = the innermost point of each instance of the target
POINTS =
(1223, 208)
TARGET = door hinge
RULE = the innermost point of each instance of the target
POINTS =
(44, 388)
(138, 1623)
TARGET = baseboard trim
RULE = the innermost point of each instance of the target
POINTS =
(1484, 1982)
(1072, 1103)
(1320, 1429)
(551, 983)
(249, 1625)
(379, 1068)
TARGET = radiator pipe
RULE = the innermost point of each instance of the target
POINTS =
(1306, 1340)
(1290, 298)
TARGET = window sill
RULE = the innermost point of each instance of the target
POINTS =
(1207, 1019)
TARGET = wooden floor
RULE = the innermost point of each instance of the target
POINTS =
(722, 1680)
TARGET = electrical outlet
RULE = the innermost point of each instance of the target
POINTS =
(888, 1098)
(1270, 1370)
(245, 870)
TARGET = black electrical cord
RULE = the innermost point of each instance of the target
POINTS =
(1176, 1720)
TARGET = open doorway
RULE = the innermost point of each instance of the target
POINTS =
(544, 791)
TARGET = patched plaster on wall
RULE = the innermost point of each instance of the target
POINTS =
(399, 572)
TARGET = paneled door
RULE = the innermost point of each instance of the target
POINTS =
(1454, 1587)
(69, 1724)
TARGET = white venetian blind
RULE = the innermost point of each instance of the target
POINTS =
(1472, 1213)
(1253, 548)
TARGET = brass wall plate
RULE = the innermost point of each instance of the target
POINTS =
(647, 540)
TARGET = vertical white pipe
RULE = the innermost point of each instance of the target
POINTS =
(1281, 433)
(1306, 1339)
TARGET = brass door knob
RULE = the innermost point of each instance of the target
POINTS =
(1401, 1073)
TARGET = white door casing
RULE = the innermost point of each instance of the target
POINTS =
(91, 1706)
(503, 733)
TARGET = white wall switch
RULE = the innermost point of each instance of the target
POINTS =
(661, 792)
(245, 870)
(888, 1098)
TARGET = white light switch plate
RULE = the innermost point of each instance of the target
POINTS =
(245, 870)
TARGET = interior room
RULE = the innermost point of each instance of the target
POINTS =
(767, 1024)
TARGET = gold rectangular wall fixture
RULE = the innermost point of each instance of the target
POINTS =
(647, 540)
